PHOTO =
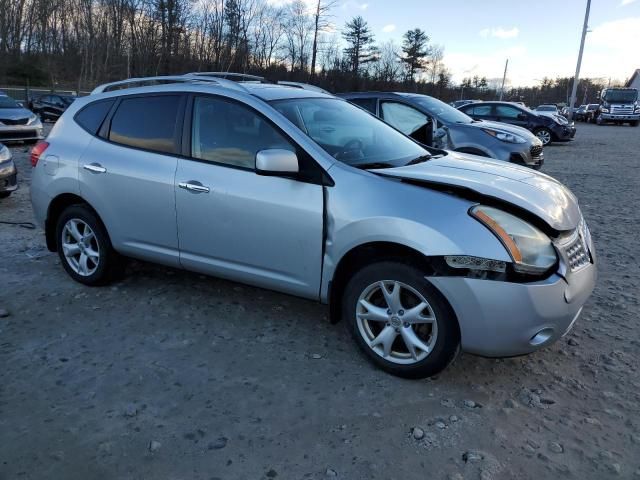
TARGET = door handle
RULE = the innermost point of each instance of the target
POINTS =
(194, 187)
(95, 168)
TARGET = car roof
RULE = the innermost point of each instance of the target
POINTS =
(264, 91)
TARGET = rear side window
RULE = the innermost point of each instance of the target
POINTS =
(91, 117)
(366, 103)
(147, 122)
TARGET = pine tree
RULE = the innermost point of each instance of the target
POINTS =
(360, 41)
(416, 50)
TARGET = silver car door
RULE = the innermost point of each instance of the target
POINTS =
(128, 176)
(237, 224)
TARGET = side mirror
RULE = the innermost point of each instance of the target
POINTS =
(276, 161)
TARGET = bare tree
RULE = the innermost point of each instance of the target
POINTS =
(321, 22)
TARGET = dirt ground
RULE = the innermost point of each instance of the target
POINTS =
(173, 375)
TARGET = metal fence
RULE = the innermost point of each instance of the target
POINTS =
(28, 93)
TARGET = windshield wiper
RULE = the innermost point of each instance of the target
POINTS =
(420, 159)
(366, 166)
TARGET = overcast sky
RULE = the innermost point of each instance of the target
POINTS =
(540, 38)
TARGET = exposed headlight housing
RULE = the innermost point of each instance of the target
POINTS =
(504, 136)
(530, 249)
(33, 119)
(5, 154)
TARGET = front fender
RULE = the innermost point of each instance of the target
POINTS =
(377, 209)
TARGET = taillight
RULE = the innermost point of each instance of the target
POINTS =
(37, 151)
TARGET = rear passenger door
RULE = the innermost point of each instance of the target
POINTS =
(127, 173)
(237, 224)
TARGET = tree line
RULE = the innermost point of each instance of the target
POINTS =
(80, 43)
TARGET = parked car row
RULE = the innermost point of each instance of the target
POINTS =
(436, 124)
(8, 173)
(546, 125)
(422, 252)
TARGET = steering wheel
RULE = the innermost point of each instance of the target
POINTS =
(351, 150)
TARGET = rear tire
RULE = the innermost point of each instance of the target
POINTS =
(392, 330)
(84, 247)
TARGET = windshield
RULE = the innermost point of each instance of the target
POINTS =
(547, 108)
(440, 110)
(7, 102)
(630, 95)
(350, 134)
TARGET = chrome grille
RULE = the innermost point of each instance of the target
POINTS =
(536, 150)
(622, 109)
(577, 248)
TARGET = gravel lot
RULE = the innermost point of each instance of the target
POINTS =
(173, 375)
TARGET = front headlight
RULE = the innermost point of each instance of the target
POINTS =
(530, 249)
(5, 154)
(604, 110)
(33, 119)
(504, 136)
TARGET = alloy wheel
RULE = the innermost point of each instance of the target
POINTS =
(396, 321)
(544, 136)
(80, 247)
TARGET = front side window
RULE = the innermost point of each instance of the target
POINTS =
(504, 111)
(350, 134)
(408, 120)
(149, 122)
(481, 110)
(232, 134)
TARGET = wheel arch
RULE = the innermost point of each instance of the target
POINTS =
(55, 209)
(360, 256)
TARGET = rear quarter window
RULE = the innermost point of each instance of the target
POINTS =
(148, 122)
(91, 117)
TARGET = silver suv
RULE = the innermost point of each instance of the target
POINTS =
(297, 191)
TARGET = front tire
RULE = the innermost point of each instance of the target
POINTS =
(634, 123)
(544, 134)
(5, 194)
(400, 321)
(84, 247)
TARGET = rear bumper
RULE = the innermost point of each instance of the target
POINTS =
(501, 319)
(8, 177)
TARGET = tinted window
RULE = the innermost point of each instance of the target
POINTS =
(506, 111)
(91, 117)
(147, 122)
(230, 133)
(480, 110)
(366, 103)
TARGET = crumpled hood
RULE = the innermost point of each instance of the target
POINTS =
(506, 127)
(533, 191)
(14, 113)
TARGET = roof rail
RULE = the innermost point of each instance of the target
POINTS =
(165, 79)
(230, 75)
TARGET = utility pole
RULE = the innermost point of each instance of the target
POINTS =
(576, 78)
(504, 77)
